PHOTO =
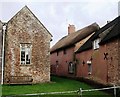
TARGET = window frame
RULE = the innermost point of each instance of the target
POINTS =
(26, 51)
(96, 44)
(89, 63)
(57, 53)
(71, 68)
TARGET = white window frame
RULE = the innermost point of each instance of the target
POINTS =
(89, 67)
(96, 43)
(27, 50)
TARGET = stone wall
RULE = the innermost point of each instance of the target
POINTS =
(25, 28)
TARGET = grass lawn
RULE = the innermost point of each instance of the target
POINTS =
(57, 85)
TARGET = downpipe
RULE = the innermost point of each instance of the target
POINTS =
(3, 51)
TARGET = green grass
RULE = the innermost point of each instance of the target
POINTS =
(57, 85)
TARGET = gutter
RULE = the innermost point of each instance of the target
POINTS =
(3, 51)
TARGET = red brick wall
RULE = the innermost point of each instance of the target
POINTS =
(99, 67)
(82, 67)
(119, 60)
(63, 61)
(104, 70)
(113, 57)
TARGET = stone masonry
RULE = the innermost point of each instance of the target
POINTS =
(24, 27)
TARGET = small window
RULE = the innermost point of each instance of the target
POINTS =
(57, 53)
(89, 67)
(25, 54)
(71, 68)
(96, 43)
(57, 63)
(64, 51)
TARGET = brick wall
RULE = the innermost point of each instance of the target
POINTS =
(63, 61)
(119, 60)
(99, 67)
(113, 53)
(105, 63)
(25, 28)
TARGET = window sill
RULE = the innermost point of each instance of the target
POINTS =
(89, 73)
(96, 49)
(25, 65)
(71, 72)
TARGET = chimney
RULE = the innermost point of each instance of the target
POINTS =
(71, 29)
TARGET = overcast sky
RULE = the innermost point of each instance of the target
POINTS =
(57, 15)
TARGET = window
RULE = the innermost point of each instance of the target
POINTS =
(89, 67)
(64, 51)
(71, 68)
(57, 53)
(57, 63)
(96, 43)
(25, 53)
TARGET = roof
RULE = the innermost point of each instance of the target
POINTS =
(115, 32)
(107, 32)
(26, 8)
(75, 37)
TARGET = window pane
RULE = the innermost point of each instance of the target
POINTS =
(27, 55)
(22, 57)
(71, 67)
(96, 43)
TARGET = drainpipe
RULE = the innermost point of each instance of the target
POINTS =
(3, 32)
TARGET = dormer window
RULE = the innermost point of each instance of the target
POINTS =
(96, 43)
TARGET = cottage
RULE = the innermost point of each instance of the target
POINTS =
(63, 62)
(99, 56)
(26, 43)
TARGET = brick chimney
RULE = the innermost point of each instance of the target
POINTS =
(71, 29)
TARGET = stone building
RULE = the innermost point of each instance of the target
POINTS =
(27, 49)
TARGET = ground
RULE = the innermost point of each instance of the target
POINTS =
(57, 84)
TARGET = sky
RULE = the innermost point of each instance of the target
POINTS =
(56, 15)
